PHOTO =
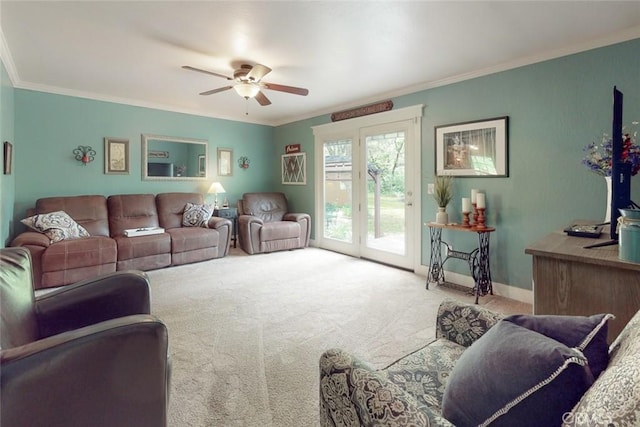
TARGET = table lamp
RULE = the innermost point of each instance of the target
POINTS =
(216, 188)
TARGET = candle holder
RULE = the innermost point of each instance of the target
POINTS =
(465, 220)
(481, 219)
(475, 214)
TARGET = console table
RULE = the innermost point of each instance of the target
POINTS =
(478, 259)
(571, 280)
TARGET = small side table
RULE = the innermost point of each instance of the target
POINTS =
(478, 259)
(232, 214)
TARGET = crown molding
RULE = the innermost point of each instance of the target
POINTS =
(7, 60)
(611, 39)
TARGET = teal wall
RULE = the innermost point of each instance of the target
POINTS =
(555, 108)
(7, 182)
(49, 127)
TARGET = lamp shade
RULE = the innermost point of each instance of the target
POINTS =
(216, 188)
(247, 90)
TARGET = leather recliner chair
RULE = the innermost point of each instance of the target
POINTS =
(88, 354)
(266, 225)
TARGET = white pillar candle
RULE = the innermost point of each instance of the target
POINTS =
(474, 192)
(466, 205)
(480, 201)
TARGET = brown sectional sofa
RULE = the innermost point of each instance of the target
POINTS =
(108, 249)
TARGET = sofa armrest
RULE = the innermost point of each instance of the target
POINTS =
(249, 219)
(112, 373)
(296, 217)
(224, 227)
(304, 220)
(91, 301)
(354, 394)
(31, 238)
(216, 222)
(464, 323)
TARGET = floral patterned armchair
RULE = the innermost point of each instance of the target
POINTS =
(410, 391)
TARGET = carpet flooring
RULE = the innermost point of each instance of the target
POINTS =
(246, 332)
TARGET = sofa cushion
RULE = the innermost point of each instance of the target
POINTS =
(268, 207)
(187, 239)
(515, 376)
(279, 231)
(128, 211)
(196, 215)
(57, 226)
(171, 207)
(425, 372)
(88, 211)
(588, 334)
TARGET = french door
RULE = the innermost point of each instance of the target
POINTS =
(367, 192)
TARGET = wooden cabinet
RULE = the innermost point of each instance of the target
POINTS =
(571, 280)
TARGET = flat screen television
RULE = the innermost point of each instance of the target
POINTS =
(159, 169)
(620, 170)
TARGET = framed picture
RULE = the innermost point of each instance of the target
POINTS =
(478, 148)
(294, 169)
(116, 156)
(202, 165)
(8, 158)
(225, 161)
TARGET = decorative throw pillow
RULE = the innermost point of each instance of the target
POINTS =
(512, 376)
(56, 225)
(196, 215)
(586, 333)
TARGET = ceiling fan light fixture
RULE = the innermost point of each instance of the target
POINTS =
(247, 90)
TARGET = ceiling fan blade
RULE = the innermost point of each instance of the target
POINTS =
(262, 99)
(289, 89)
(257, 72)
(187, 67)
(212, 91)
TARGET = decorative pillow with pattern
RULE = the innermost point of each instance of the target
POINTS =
(57, 226)
(196, 215)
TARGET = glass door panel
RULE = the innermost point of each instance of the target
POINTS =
(338, 190)
(385, 195)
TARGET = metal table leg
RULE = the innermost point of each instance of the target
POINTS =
(481, 269)
(436, 273)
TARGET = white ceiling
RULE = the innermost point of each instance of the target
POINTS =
(346, 53)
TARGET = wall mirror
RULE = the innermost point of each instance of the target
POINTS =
(174, 158)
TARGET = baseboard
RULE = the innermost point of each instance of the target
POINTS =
(518, 294)
(512, 292)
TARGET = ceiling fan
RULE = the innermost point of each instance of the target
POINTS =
(249, 84)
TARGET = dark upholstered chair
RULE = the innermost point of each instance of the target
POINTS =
(88, 354)
(266, 225)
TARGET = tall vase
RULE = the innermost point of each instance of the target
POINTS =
(442, 217)
(607, 215)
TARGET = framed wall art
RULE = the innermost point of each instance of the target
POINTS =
(202, 165)
(8, 158)
(294, 169)
(116, 156)
(478, 148)
(225, 161)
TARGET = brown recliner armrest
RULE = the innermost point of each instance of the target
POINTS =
(304, 220)
(115, 373)
(91, 301)
(31, 238)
